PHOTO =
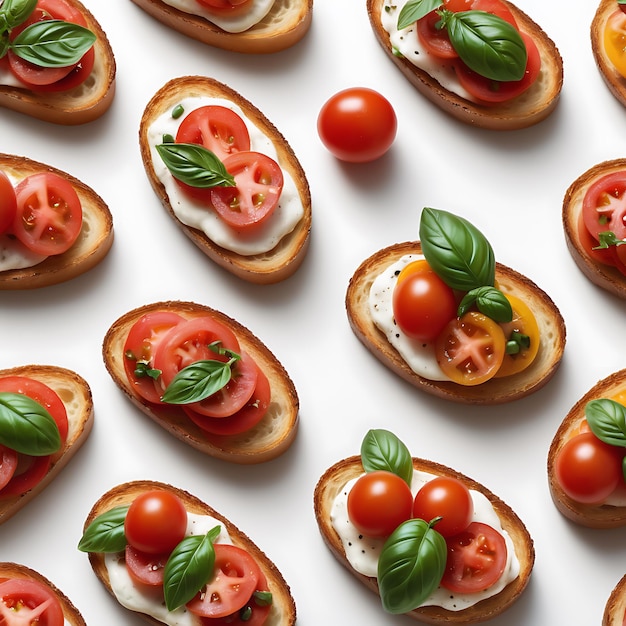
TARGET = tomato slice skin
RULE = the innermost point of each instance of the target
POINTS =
(8, 203)
(29, 602)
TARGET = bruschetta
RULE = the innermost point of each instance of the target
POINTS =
(206, 151)
(28, 597)
(586, 454)
(251, 416)
(451, 74)
(414, 559)
(423, 338)
(147, 541)
(46, 414)
(49, 254)
(593, 221)
(615, 609)
(76, 83)
(248, 26)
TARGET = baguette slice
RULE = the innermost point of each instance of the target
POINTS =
(605, 276)
(93, 243)
(615, 608)
(76, 395)
(529, 108)
(602, 516)
(286, 257)
(283, 612)
(336, 477)
(267, 440)
(70, 612)
(494, 391)
(80, 105)
(285, 25)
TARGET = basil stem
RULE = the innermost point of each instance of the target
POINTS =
(106, 532)
(26, 426)
(607, 420)
(489, 301)
(382, 450)
(415, 10)
(15, 12)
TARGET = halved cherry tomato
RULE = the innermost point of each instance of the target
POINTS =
(259, 184)
(615, 40)
(145, 568)
(476, 559)
(8, 203)
(379, 502)
(49, 214)
(27, 601)
(470, 349)
(235, 578)
(8, 465)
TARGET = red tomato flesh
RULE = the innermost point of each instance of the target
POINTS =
(145, 568)
(8, 465)
(8, 203)
(30, 602)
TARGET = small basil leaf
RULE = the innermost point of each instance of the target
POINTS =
(607, 420)
(415, 10)
(382, 450)
(263, 598)
(608, 238)
(106, 532)
(26, 426)
(489, 301)
(189, 568)
(411, 565)
(14, 12)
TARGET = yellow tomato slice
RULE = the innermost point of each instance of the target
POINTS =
(620, 397)
(615, 40)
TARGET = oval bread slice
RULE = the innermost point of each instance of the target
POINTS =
(615, 608)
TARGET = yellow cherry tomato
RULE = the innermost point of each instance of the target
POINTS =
(615, 40)
(414, 267)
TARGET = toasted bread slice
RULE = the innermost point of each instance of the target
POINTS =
(70, 612)
(592, 516)
(605, 276)
(283, 611)
(93, 243)
(286, 257)
(529, 108)
(76, 396)
(494, 391)
(336, 477)
(285, 25)
(615, 608)
(267, 440)
(79, 105)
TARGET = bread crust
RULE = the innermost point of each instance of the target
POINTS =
(283, 612)
(602, 516)
(494, 391)
(17, 570)
(75, 393)
(275, 265)
(605, 276)
(335, 478)
(526, 110)
(285, 25)
(270, 438)
(80, 105)
(615, 608)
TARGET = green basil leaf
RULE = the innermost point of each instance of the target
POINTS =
(415, 10)
(608, 238)
(489, 301)
(106, 532)
(263, 598)
(14, 12)
(456, 250)
(488, 44)
(607, 420)
(26, 426)
(382, 450)
(410, 566)
(189, 568)
(194, 165)
(53, 43)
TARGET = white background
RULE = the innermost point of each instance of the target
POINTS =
(509, 184)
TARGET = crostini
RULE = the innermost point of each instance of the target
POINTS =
(383, 515)
(615, 609)
(429, 47)
(50, 253)
(229, 397)
(227, 177)
(586, 454)
(593, 221)
(46, 414)
(248, 26)
(427, 335)
(28, 597)
(162, 553)
(68, 80)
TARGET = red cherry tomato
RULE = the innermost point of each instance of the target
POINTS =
(8, 203)
(357, 125)
(30, 602)
(145, 568)
(8, 465)
(156, 522)
(476, 559)
(447, 498)
(587, 469)
(379, 502)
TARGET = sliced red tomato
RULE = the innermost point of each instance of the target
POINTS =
(25, 601)
(8, 203)
(8, 465)
(259, 184)
(435, 40)
(230, 8)
(49, 214)
(614, 40)
(235, 578)
(145, 568)
(476, 559)
(604, 256)
(496, 7)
